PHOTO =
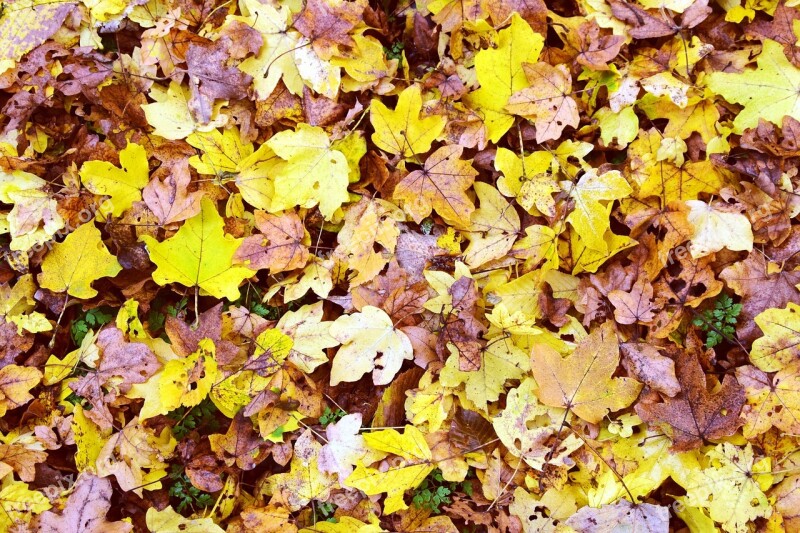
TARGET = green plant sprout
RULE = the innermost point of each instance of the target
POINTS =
(719, 323)
(187, 494)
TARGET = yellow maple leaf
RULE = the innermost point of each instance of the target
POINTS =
(585, 259)
(19, 503)
(275, 61)
(530, 430)
(314, 173)
(15, 382)
(500, 73)
(89, 439)
(310, 335)
(368, 238)
(649, 462)
(771, 401)
(34, 218)
(17, 304)
(136, 457)
(363, 336)
(593, 195)
(75, 263)
(344, 524)
(304, 481)
(715, 229)
(56, 369)
(528, 178)
(732, 487)
(169, 521)
(181, 382)
(401, 131)
(365, 63)
(769, 92)
(493, 229)
(199, 255)
(226, 156)
(428, 404)
(124, 185)
(500, 361)
(672, 183)
(582, 381)
(538, 244)
(170, 116)
(778, 347)
(417, 464)
(617, 128)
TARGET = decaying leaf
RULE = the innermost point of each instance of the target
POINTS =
(85, 509)
(351, 266)
(697, 415)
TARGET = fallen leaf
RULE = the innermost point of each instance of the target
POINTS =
(363, 336)
(85, 509)
(401, 131)
(199, 255)
(642, 517)
(279, 247)
(695, 414)
(79, 260)
(582, 382)
(123, 185)
(441, 185)
(168, 199)
(15, 382)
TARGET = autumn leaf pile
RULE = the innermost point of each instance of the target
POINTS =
(448, 265)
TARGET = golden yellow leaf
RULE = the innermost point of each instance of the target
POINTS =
(402, 131)
(124, 185)
(769, 92)
(169, 521)
(779, 346)
(199, 255)
(417, 464)
(75, 263)
(582, 382)
(15, 382)
(182, 382)
(304, 481)
(314, 173)
(500, 73)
